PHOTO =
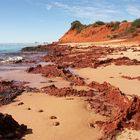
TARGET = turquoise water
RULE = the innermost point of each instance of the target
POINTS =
(12, 47)
(12, 52)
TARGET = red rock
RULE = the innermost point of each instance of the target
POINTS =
(10, 129)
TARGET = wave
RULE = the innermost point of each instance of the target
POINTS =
(11, 59)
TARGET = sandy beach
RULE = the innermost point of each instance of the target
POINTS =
(72, 117)
(70, 70)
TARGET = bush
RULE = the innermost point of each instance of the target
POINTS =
(115, 26)
(136, 23)
(78, 26)
(99, 23)
(124, 21)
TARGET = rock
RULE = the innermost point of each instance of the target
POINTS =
(9, 90)
(57, 71)
(10, 129)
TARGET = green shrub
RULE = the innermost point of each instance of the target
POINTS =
(78, 26)
(136, 23)
(115, 26)
(124, 21)
(99, 23)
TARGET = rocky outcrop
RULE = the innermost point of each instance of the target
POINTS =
(122, 112)
(131, 78)
(108, 101)
(68, 91)
(10, 129)
(66, 56)
(57, 71)
(9, 90)
(105, 99)
(92, 56)
(127, 118)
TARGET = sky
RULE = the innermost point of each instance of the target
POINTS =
(47, 20)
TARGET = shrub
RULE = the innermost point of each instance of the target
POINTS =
(136, 23)
(115, 26)
(124, 21)
(78, 26)
(99, 23)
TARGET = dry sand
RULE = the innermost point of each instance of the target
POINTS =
(129, 53)
(72, 115)
(129, 135)
(112, 74)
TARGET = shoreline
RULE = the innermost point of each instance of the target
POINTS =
(79, 93)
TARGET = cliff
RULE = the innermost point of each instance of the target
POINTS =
(100, 31)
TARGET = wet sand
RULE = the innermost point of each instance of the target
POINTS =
(35, 80)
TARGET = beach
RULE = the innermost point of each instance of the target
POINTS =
(71, 100)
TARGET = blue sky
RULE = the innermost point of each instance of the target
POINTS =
(48, 20)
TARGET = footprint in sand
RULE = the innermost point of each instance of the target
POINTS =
(56, 123)
(53, 117)
(21, 103)
(41, 110)
(28, 108)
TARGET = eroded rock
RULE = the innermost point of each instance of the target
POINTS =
(10, 129)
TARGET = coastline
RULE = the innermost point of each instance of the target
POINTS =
(72, 89)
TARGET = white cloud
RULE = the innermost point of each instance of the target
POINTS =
(85, 11)
(133, 10)
(48, 7)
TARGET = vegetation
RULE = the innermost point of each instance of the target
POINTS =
(136, 23)
(132, 30)
(124, 21)
(115, 26)
(99, 23)
(78, 26)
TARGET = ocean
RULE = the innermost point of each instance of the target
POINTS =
(12, 51)
(11, 47)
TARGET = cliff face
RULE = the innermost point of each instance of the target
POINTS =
(104, 32)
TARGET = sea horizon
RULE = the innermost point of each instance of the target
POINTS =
(14, 47)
